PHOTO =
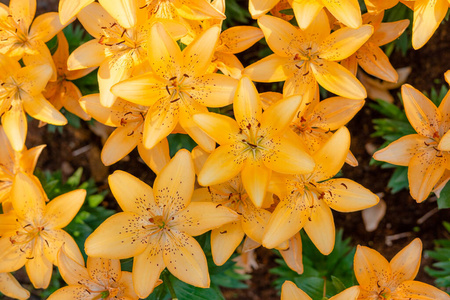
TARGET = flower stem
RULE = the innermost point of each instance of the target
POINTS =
(168, 283)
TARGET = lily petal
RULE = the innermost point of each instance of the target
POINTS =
(424, 171)
(371, 268)
(351, 293)
(160, 121)
(405, 264)
(61, 210)
(27, 197)
(12, 258)
(428, 15)
(419, 290)
(119, 236)
(345, 195)
(15, 126)
(70, 94)
(175, 183)
(401, 151)
(293, 254)
(157, 157)
(10, 287)
(287, 220)
(70, 8)
(39, 108)
(132, 194)
(45, 27)
(388, 31)
(331, 156)
(320, 227)
(89, 54)
(373, 60)
(239, 38)
(255, 178)
(254, 221)
(346, 11)
(281, 36)
(147, 267)
(444, 143)
(221, 128)
(124, 11)
(257, 8)
(93, 17)
(39, 268)
(23, 11)
(337, 79)
(185, 259)
(289, 291)
(247, 105)
(271, 68)
(213, 90)
(165, 56)
(334, 112)
(225, 240)
(198, 54)
(120, 143)
(306, 11)
(223, 164)
(344, 42)
(56, 238)
(102, 270)
(200, 217)
(33, 78)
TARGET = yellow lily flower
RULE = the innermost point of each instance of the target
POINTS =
(62, 92)
(370, 57)
(427, 153)
(316, 120)
(124, 11)
(378, 6)
(10, 287)
(31, 233)
(347, 12)
(101, 279)
(157, 226)
(12, 162)
(231, 194)
(180, 9)
(289, 291)
(21, 39)
(380, 279)
(306, 199)
(428, 15)
(254, 144)
(234, 40)
(305, 57)
(117, 50)
(129, 120)
(21, 89)
(178, 88)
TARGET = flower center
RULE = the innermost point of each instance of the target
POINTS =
(158, 221)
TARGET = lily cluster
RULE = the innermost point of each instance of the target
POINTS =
(161, 66)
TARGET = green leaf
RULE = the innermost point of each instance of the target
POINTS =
(337, 284)
(444, 200)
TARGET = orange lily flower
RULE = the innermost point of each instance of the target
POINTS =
(347, 12)
(157, 226)
(289, 291)
(316, 120)
(305, 57)
(254, 144)
(117, 50)
(427, 153)
(21, 39)
(231, 194)
(380, 279)
(62, 92)
(306, 199)
(12, 162)
(370, 57)
(179, 87)
(21, 89)
(10, 287)
(124, 11)
(129, 120)
(31, 233)
(101, 279)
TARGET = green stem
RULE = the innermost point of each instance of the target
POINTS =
(168, 283)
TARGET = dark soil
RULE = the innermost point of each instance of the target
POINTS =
(75, 148)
